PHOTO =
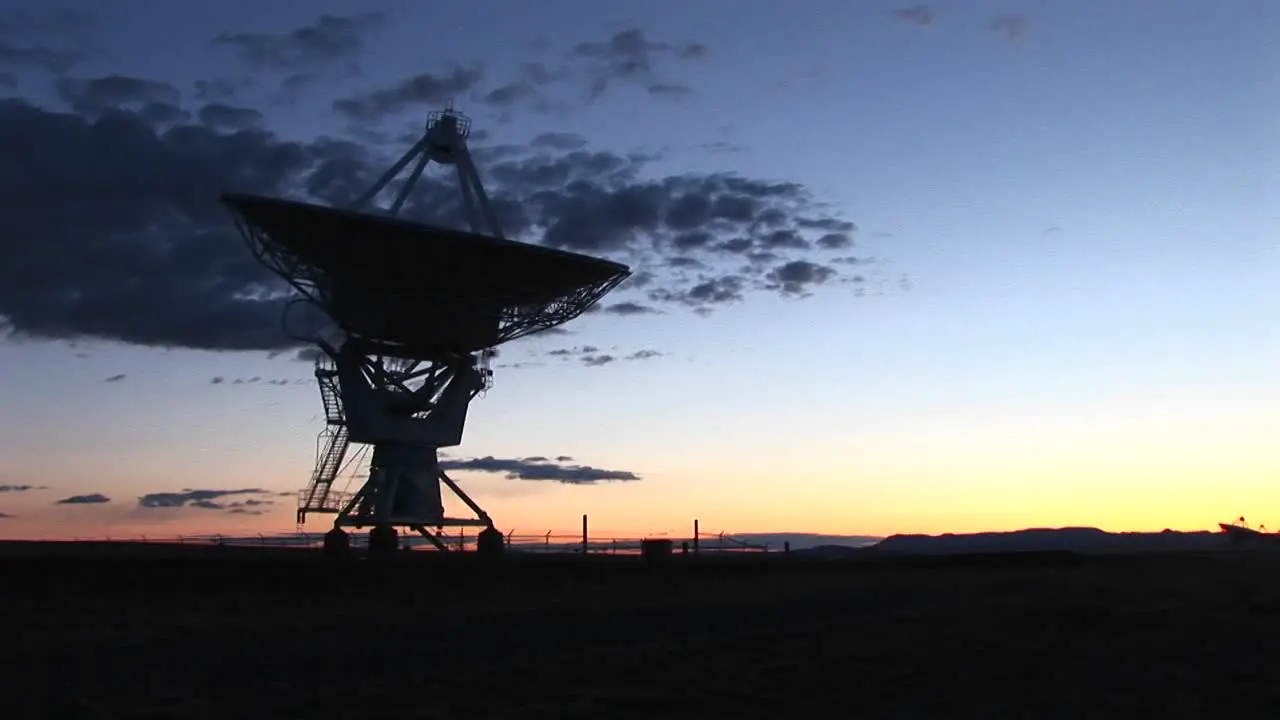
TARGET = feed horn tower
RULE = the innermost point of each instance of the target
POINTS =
(414, 313)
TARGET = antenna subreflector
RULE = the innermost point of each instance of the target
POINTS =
(419, 309)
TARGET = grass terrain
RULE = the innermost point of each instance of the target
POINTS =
(100, 631)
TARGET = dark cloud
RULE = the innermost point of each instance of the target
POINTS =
(94, 96)
(1011, 26)
(528, 91)
(694, 51)
(672, 91)
(91, 499)
(6, 516)
(221, 116)
(628, 56)
(835, 241)
(417, 92)
(571, 352)
(592, 356)
(55, 61)
(135, 247)
(800, 276)
(558, 141)
(115, 378)
(48, 21)
(922, 15)
(330, 39)
(629, 308)
(721, 147)
(20, 488)
(255, 380)
(204, 499)
(561, 470)
(51, 39)
(853, 260)
(218, 90)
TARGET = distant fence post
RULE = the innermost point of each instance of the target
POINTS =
(696, 533)
(584, 533)
(509, 534)
(462, 539)
(546, 540)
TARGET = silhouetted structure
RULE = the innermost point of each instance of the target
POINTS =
(415, 312)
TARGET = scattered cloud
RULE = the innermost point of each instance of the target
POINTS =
(6, 516)
(217, 90)
(91, 499)
(94, 96)
(143, 253)
(672, 91)
(798, 276)
(592, 356)
(629, 307)
(562, 469)
(21, 488)
(629, 56)
(116, 378)
(722, 147)
(330, 39)
(921, 15)
(226, 117)
(53, 39)
(306, 56)
(210, 500)
(255, 380)
(1011, 26)
(558, 141)
(528, 91)
(415, 93)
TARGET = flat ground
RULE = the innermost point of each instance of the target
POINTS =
(114, 632)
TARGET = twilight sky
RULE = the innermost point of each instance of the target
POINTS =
(965, 266)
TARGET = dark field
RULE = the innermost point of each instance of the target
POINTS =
(243, 633)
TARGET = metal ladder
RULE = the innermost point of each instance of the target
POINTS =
(317, 497)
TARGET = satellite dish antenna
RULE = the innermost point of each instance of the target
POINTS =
(417, 311)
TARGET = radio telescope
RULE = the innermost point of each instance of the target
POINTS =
(416, 312)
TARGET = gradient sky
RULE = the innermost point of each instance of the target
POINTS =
(1071, 209)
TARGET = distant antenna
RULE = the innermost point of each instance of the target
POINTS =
(419, 310)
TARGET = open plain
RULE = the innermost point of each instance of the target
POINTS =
(106, 631)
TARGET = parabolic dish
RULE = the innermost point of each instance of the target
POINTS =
(420, 289)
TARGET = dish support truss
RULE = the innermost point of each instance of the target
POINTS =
(406, 410)
(445, 143)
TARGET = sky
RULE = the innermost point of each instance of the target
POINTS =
(897, 268)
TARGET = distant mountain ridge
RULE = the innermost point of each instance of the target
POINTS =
(1069, 539)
